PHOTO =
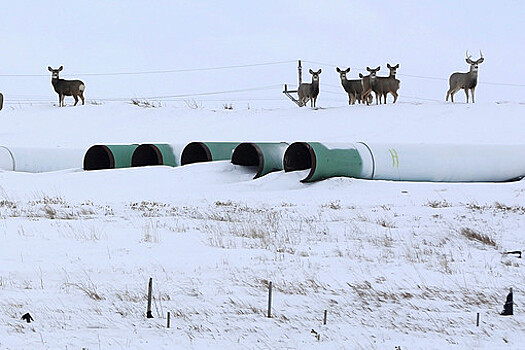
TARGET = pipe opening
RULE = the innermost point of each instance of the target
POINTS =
(298, 156)
(99, 157)
(146, 154)
(195, 152)
(249, 154)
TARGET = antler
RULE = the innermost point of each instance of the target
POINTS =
(480, 53)
(468, 58)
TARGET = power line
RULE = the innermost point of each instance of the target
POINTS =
(160, 71)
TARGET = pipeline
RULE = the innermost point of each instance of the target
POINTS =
(39, 160)
(407, 162)
(267, 157)
(196, 152)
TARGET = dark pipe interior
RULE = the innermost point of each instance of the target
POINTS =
(146, 154)
(298, 156)
(195, 152)
(245, 154)
(98, 157)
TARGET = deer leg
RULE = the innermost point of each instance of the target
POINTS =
(395, 96)
(76, 99)
(82, 96)
(472, 92)
(466, 93)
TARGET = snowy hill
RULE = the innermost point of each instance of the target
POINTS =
(406, 264)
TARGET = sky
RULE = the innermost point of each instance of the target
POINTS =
(428, 39)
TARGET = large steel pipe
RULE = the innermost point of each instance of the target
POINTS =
(100, 157)
(39, 160)
(196, 152)
(407, 162)
(266, 157)
(154, 154)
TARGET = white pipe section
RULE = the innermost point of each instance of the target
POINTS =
(442, 162)
(39, 160)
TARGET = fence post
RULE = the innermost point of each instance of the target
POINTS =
(270, 300)
(150, 288)
(299, 73)
(477, 320)
(324, 318)
(168, 322)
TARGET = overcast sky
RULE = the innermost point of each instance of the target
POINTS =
(426, 37)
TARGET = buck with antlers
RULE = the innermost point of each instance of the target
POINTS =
(466, 81)
(65, 88)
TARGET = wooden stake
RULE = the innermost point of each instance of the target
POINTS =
(299, 73)
(477, 320)
(270, 300)
(324, 318)
(150, 288)
(168, 324)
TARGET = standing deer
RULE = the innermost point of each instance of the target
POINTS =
(466, 81)
(353, 88)
(309, 91)
(65, 88)
(369, 84)
(386, 85)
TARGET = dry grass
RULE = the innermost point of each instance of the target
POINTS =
(477, 236)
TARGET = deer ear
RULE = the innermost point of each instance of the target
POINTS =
(388, 65)
(480, 60)
(319, 71)
(347, 70)
(337, 70)
(311, 71)
(378, 68)
(360, 75)
(60, 69)
(49, 68)
(397, 66)
(369, 69)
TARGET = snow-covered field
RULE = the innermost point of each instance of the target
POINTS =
(406, 264)
(393, 263)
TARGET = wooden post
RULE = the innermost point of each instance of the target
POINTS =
(150, 288)
(1, 101)
(300, 73)
(168, 322)
(270, 300)
(324, 318)
(477, 320)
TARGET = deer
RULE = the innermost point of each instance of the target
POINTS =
(369, 83)
(309, 91)
(386, 85)
(65, 88)
(466, 81)
(353, 88)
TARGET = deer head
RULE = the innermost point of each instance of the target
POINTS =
(55, 72)
(474, 64)
(315, 75)
(373, 72)
(342, 73)
(393, 69)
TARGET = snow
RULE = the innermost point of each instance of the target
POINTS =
(405, 264)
